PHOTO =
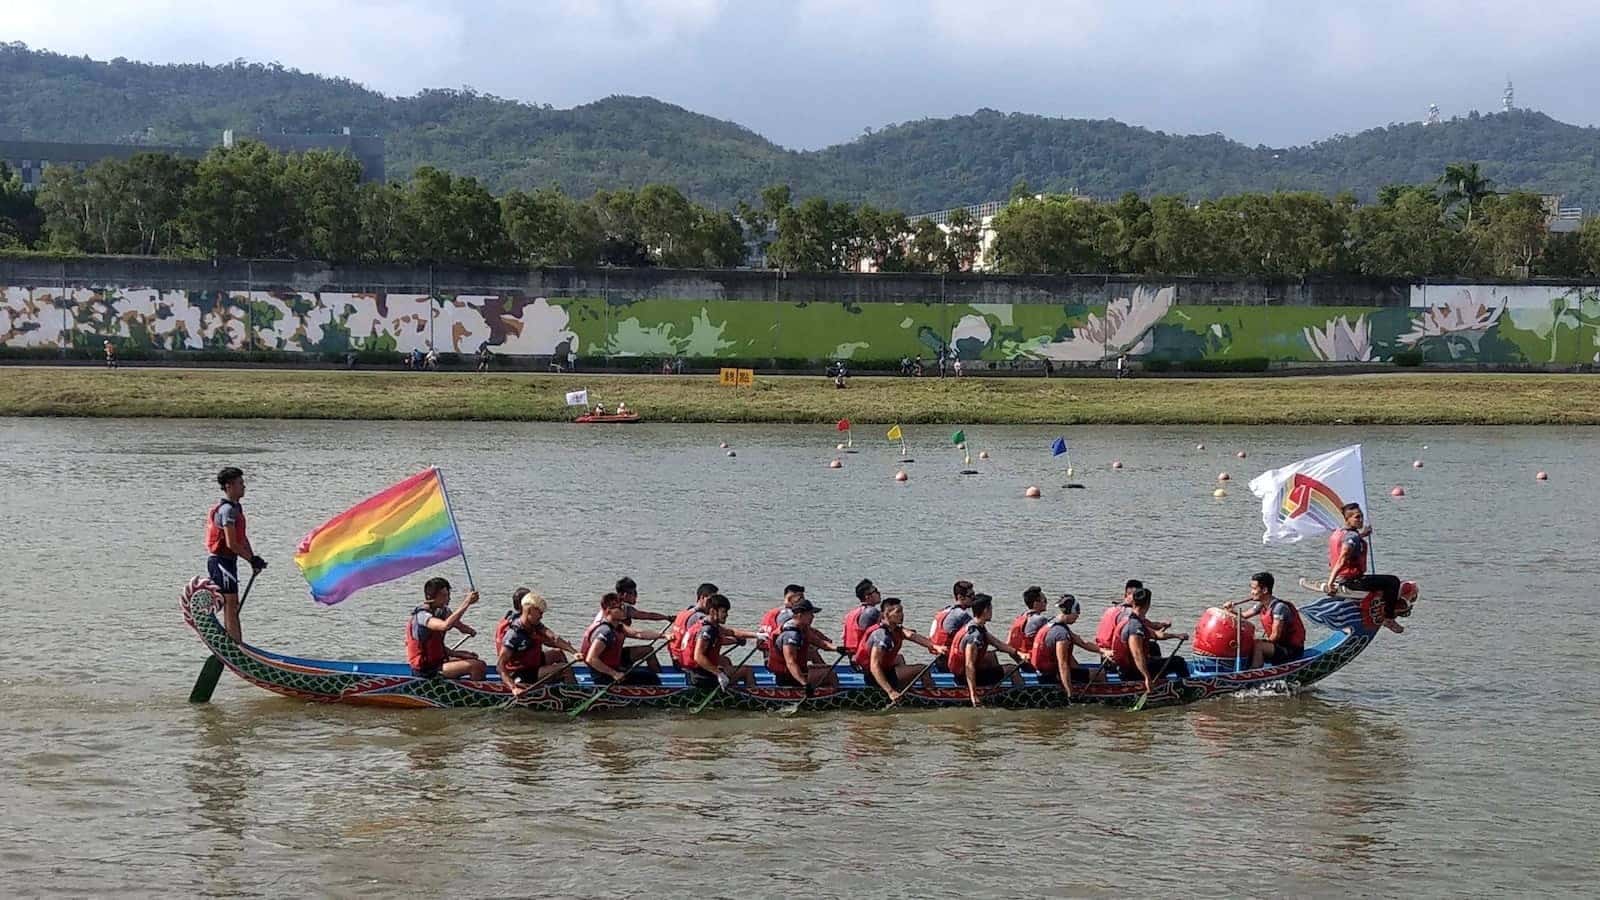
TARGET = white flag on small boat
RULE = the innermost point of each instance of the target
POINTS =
(578, 398)
(1303, 499)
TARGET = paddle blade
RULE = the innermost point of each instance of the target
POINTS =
(1139, 704)
(206, 684)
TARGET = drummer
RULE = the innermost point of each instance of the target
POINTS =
(1284, 633)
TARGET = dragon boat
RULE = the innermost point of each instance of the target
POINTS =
(607, 419)
(1353, 623)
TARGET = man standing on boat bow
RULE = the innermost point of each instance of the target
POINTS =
(227, 543)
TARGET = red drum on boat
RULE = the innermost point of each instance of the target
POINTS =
(1214, 635)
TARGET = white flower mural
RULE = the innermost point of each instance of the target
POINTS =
(1340, 341)
(1463, 316)
(1125, 328)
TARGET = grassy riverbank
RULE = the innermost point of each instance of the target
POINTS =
(1409, 398)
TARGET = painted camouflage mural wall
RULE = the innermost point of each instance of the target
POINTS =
(1455, 323)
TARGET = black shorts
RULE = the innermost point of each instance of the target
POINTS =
(525, 676)
(426, 673)
(638, 678)
(784, 679)
(985, 676)
(224, 572)
(1281, 655)
(699, 678)
(890, 675)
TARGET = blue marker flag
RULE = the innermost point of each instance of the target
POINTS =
(1059, 447)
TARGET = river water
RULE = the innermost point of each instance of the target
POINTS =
(1460, 757)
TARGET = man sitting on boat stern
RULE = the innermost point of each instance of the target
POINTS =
(791, 658)
(1135, 649)
(425, 645)
(628, 593)
(878, 654)
(971, 657)
(523, 659)
(1051, 652)
(703, 648)
(602, 646)
(1283, 637)
(1347, 566)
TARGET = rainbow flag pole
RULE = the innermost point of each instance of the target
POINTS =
(451, 511)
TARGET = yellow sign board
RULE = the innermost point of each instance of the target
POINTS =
(739, 377)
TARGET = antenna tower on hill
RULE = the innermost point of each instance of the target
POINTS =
(1433, 115)
(1508, 100)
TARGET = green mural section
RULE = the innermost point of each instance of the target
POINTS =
(1469, 324)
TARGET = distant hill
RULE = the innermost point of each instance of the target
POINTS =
(630, 141)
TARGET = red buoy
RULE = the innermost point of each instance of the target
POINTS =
(1398, 491)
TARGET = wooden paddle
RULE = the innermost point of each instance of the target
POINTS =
(211, 669)
(1162, 673)
(592, 698)
(914, 679)
(711, 693)
(793, 708)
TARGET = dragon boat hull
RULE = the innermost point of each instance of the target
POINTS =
(393, 684)
(612, 419)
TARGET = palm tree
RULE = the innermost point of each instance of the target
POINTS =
(1462, 182)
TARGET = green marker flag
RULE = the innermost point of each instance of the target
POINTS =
(960, 437)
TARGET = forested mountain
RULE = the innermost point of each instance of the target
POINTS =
(631, 141)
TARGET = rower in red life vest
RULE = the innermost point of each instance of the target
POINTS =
(971, 656)
(628, 591)
(524, 659)
(709, 668)
(508, 617)
(1284, 633)
(858, 621)
(1025, 626)
(790, 662)
(1347, 566)
(1052, 649)
(226, 543)
(778, 616)
(878, 653)
(946, 622)
(602, 646)
(1111, 621)
(425, 631)
(685, 620)
(1135, 651)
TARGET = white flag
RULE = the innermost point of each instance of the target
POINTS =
(1302, 499)
(578, 398)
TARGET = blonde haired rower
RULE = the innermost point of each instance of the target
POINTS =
(523, 659)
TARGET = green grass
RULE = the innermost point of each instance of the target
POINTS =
(1400, 398)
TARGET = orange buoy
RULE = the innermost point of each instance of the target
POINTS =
(836, 465)
(1031, 491)
(1224, 476)
(1416, 464)
(1398, 491)
(1241, 454)
(1541, 477)
(1116, 464)
(723, 445)
(900, 475)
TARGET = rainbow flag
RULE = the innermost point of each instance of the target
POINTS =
(386, 536)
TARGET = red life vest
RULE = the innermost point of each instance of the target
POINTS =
(1017, 639)
(769, 622)
(691, 643)
(500, 629)
(1042, 657)
(850, 639)
(936, 631)
(216, 543)
(680, 630)
(531, 658)
(1122, 650)
(427, 654)
(863, 652)
(1105, 634)
(1356, 567)
(1294, 630)
(775, 661)
(612, 655)
(955, 656)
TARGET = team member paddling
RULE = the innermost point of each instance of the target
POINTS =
(628, 592)
(1284, 634)
(602, 646)
(509, 617)
(1135, 649)
(685, 620)
(790, 662)
(778, 616)
(1025, 626)
(425, 645)
(226, 543)
(709, 667)
(524, 660)
(858, 621)
(1051, 652)
(878, 654)
(1347, 565)
(951, 619)
(971, 656)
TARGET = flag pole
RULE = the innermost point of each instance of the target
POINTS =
(450, 511)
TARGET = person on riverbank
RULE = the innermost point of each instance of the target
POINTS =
(1283, 632)
(972, 657)
(708, 666)
(859, 620)
(228, 541)
(627, 591)
(946, 622)
(1348, 551)
(111, 355)
(1052, 651)
(524, 659)
(485, 356)
(425, 644)
(603, 650)
(793, 648)
(1026, 626)
(878, 655)
(1135, 650)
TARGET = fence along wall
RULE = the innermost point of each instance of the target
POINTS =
(174, 306)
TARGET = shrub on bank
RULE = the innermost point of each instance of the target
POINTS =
(1407, 359)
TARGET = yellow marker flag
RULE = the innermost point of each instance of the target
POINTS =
(894, 434)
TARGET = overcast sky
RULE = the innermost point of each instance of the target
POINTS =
(807, 73)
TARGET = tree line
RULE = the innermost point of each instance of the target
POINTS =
(251, 201)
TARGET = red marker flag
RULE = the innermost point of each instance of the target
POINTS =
(844, 425)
